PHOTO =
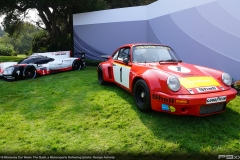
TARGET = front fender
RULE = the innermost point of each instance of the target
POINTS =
(153, 79)
(157, 81)
(17, 74)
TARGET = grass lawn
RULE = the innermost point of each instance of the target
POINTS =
(12, 58)
(71, 114)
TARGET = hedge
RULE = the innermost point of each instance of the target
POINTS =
(7, 50)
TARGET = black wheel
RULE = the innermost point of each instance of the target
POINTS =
(100, 76)
(29, 72)
(142, 96)
(76, 65)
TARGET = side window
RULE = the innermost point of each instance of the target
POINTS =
(124, 53)
(27, 61)
(115, 55)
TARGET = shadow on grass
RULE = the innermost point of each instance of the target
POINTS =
(208, 135)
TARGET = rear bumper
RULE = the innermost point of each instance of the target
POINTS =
(198, 105)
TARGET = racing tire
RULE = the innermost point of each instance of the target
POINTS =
(100, 76)
(29, 72)
(142, 96)
(76, 65)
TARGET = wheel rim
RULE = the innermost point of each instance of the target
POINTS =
(140, 95)
(29, 73)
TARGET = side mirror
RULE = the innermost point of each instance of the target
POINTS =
(125, 60)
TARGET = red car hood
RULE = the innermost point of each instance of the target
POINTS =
(191, 77)
(181, 69)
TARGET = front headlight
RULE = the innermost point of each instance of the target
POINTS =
(8, 70)
(173, 83)
(227, 79)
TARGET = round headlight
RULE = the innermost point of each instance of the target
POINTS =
(173, 83)
(8, 70)
(227, 79)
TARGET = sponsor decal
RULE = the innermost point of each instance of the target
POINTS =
(168, 108)
(222, 88)
(172, 109)
(179, 69)
(206, 89)
(18, 72)
(165, 107)
(190, 91)
(43, 68)
(216, 99)
(188, 74)
(182, 101)
(166, 100)
(58, 54)
(9, 77)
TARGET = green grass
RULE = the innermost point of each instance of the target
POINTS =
(11, 58)
(71, 114)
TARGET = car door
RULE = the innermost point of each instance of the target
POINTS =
(121, 70)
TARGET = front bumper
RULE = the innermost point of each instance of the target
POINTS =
(9, 77)
(198, 105)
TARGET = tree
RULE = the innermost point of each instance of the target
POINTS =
(1, 32)
(21, 41)
(127, 3)
(55, 17)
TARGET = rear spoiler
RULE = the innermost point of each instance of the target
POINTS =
(105, 56)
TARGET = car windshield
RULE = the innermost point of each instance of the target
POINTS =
(154, 53)
(29, 60)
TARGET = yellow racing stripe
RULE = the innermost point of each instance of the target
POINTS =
(193, 82)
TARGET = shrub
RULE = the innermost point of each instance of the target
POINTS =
(28, 53)
(7, 50)
(237, 85)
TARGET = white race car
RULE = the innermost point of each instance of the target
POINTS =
(41, 64)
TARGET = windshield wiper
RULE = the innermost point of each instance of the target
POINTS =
(168, 60)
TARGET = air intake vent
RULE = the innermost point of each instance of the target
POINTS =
(217, 107)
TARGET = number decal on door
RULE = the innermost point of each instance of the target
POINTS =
(121, 74)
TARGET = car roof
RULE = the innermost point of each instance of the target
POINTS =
(141, 44)
(36, 56)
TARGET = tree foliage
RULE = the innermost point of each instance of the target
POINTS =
(6, 50)
(127, 3)
(55, 17)
(21, 41)
(41, 42)
(1, 32)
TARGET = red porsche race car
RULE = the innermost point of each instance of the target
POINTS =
(160, 81)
